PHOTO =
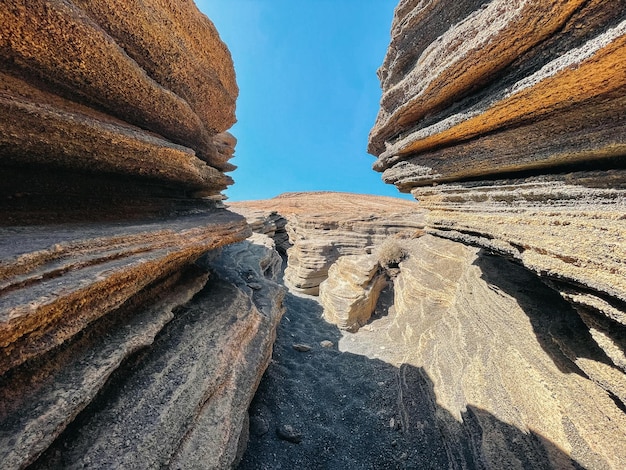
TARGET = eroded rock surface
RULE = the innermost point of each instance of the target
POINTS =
(269, 223)
(181, 399)
(323, 226)
(350, 293)
(113, 153)
(143, 91)
(496, 73)
(477, 364)
(507, 123)
(504, 353)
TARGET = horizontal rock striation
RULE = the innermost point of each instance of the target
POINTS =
(324, 226)
(497, 71)
(515, 379)
(140, 90)
(127, 339)
(182, 373)
(61, 278)
(506, 121)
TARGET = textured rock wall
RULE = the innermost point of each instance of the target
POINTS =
(181, 402)
(269, 223)
(506, 120)
(142, 92)
(515, 380)
(324, 226)
(350, 292)
(116, 349)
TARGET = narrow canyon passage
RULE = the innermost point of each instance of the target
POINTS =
(342, 407)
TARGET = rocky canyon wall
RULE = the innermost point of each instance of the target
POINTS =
(322, 226)
(506, 120)
(113, 153)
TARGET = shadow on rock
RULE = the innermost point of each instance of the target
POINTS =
(558, 327)
(347, 411)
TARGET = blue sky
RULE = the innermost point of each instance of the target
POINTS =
(309, 93)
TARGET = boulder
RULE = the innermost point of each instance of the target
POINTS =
(350, 292)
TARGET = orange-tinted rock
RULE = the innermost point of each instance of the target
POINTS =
(497, 67)
(323, 226)
(514, 138)
(129, 62)
(161, 361)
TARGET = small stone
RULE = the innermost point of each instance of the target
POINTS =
(286, 432)
(301, 347)
(258, 426)
(326, 344)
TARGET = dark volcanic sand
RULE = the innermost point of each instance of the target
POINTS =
(345, 406)
(347, 409)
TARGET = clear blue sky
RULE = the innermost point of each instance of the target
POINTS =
(309, 93)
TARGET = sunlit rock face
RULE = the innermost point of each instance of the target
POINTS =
(506, 120)
(113, 153)
(323, 226)
(140, 94)
(350, 293)
(518, 381)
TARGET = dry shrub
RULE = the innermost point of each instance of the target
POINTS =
(391, 252)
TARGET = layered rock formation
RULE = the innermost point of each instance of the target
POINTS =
(132, 104)
(506, 121)
(182, 401)
(350, 293)
(266, 222)
(493, 366)
(113, 153)
(323, 226)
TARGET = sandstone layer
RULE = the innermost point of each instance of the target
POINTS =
(123, 329)
(494, 368)
(350, 293)
(506, 121)
(145, 91)
(323, 226)
(171, 383)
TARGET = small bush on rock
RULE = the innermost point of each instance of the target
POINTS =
(390, 253)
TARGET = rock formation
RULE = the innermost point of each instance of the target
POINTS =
(509, 362)
(506, 121)
(323, 226)
(350, 293)
(267, 222)
(181, 402)
(113, 153)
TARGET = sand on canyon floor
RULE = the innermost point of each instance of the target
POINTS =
(348, 406)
